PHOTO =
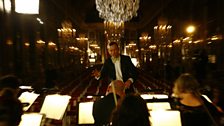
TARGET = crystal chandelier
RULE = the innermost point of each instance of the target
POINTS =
(117, 10)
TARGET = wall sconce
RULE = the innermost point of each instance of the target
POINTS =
(66, 31)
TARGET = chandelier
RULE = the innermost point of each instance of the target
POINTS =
(66, 31)
(113, 30)
(117, 10)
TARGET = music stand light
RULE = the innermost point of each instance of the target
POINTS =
(165, 118)
(85, 113)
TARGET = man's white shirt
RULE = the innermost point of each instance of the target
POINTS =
(117, 65)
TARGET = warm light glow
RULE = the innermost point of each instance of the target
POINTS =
(93, 45)
(89, 96)
(85, 113)
(117, 10)
(66, 31)
(9, 42)
(40, 42)
(207, 98)
(27, 6)
(169, 46)
(134, 61)
(51, 44)
(27, 97)
(132, 44)
(81, 39)
(31, 119)
(145, 38)
(55, 105)
(40, 21)
(73, 48)
(7, 4)
(113, 30)
(92, 60)
(190, 29)
(165, 118)
(156, 96)
(198, 41)
(1, 5)
(26, 87)
(216, 37)
(152, 46)
(155, 27)
(158, 106)
(176, 41)
(187, 38)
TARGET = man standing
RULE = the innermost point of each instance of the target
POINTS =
(118, 67)
(103, 108)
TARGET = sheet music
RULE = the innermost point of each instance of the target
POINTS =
(32, 119)
(54, 106)
(151, 96)
(158, 105)
(85, 113)
(165, 118)
(27, 97)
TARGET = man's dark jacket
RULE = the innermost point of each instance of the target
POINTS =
(127, 68)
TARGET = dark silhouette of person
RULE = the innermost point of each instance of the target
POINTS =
(11, 109)
(118, 67)
(12, 82)
(200, 65)
(51, 76)
(131, 111)
(103, 108)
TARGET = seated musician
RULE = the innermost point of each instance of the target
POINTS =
(195, 110)
(103, 108)
(11, 108)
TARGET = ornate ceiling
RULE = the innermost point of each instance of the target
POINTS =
(84, 15)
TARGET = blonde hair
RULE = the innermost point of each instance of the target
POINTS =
(186, 83)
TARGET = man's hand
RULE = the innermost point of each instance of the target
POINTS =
(96, 73)
(127, 84)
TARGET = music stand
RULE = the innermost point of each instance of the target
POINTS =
(165, 118)
(54, 106)
(85, 113)
(32, 119)
(27, 97)
(154, 96)
(158, 105)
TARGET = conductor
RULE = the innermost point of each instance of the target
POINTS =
(118, 67)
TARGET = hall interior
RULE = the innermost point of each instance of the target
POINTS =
(67, 39)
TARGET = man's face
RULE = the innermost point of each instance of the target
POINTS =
(113, 51)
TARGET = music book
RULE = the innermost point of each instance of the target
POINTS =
(85, 113)
(55, 105)
(165, 118)
(152, 96)
(28, 97)
(158, 105)
(32, 119)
